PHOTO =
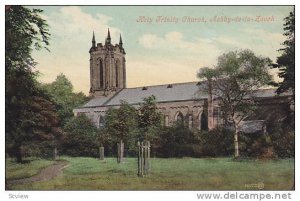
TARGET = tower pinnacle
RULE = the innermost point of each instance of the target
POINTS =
(93, 40)
(120, 42)
(108, 39)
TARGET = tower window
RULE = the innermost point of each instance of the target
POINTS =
(101, 74)
(117, 73)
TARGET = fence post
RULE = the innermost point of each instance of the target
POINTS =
(143, 158)
(120, 152)
(139, 159)
(55, 154)
(148, 156)
(146, 159)
(101, 153)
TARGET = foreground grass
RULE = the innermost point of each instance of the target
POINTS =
(33, 166)
(170, 174)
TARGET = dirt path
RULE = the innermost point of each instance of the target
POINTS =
(46, 174)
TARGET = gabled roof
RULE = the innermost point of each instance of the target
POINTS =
(163, 93)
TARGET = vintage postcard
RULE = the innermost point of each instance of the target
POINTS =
(150, 98)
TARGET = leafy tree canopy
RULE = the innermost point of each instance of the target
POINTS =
(122, 122)
(29, 113)
(286, 62)
(234, 81)
(149, 118)
(61, 92)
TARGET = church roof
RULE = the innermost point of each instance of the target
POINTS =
(97, 101)
(163, 93)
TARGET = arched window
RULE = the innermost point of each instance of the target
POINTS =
(179, 117)
(117, 73)
(166, 120)
(203, 122)
(124, 73)
(101, 74)
(101, 122)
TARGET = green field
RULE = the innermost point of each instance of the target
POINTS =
(166, 174)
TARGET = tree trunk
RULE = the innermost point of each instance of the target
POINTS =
(210, 108)
(17, 150)
(236, 143)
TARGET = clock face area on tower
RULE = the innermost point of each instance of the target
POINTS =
(107, 67)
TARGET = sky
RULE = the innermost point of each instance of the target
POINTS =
(163, 44)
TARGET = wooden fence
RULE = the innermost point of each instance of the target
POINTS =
(143, 158)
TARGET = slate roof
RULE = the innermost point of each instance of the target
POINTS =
(162, 93)
(97, 101)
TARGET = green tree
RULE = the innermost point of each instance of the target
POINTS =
(233, 82)
(121, 123)
(286, 62)
(24, 30)
(29, 113)
(81, 137)
(61, 92)
(150, 120)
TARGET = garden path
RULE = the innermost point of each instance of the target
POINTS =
(45, 175)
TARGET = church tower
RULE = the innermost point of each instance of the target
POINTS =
(107, 67)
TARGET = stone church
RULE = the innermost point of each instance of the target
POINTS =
(186, 102)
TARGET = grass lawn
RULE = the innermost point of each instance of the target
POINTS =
(166, 174)
(19, 171)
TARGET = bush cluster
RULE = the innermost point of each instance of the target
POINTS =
(81, 139)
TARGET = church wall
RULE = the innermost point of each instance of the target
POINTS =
(272, 110)
(191, 110)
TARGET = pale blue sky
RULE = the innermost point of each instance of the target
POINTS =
(157, 53)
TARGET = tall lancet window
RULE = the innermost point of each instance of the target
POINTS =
(179, 117)
(101, 74)
(117, 73)
(203, 122)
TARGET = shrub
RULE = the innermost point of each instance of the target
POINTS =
(81, 137)
(176, 141)
(283, 142)
(256, 145)
(217, 142)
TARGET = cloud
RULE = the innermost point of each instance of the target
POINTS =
(145, 71)
(170, 40)
(260, 41)
(174, 44)
(150, 41)
(199, 52)
(72, 19)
